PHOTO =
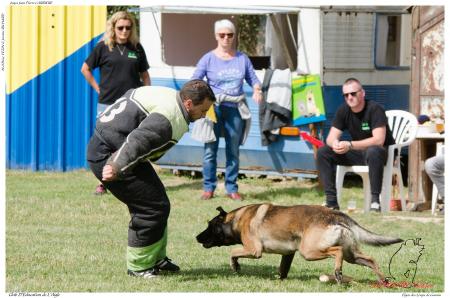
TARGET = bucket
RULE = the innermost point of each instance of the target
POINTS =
(396, 205)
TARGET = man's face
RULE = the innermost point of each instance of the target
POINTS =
(354, 96)
(198, 111)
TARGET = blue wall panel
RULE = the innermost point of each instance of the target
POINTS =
(289, 153)
(51, 118)
(391, 97)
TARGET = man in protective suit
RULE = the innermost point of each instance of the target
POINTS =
(140, 127)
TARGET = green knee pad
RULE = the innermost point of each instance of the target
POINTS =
(142, 258)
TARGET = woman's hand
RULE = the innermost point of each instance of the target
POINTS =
(257, 94)
(85, 70)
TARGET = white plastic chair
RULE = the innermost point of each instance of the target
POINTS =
(404, 128)
(440, 147)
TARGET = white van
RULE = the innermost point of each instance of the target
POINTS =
(371, 43)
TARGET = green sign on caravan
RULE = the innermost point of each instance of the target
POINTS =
(307, 100)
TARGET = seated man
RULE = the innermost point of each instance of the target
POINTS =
(367, 124)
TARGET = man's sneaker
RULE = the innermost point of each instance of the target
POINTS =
(148, 273)
(100, 190)
(167, 265)
(332, 207)
(375, 207)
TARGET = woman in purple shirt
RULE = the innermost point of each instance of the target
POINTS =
(225, 70)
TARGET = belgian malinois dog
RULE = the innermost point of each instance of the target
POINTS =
(315, 231)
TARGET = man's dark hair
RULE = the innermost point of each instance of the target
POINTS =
(197, 91)
(352, 80)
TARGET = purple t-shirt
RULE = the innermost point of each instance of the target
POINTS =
(226, 76)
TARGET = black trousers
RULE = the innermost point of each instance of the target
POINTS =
(142, 192)
(374, 157)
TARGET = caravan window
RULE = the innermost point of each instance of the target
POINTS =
(348, 40)
(365, 40)
(187, 37)
(393, 40)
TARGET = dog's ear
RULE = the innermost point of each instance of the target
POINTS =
(221, 211)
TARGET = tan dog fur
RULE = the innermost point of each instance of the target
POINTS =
(315, 231)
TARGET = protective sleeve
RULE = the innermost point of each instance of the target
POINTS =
(151, 139)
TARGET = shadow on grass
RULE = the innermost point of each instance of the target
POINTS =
(269, 194)
(263, 272)
(264, 195)
(190, 185)
(284, 191)
(270, 273)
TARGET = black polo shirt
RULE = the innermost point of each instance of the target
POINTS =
(119, 69)
(360, 125)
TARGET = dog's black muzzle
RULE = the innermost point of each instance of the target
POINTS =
(209, 239)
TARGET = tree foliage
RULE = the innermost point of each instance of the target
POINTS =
(250, 33)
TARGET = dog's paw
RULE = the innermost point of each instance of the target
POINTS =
(385, 282)
(235, 265)
(281, 275)
(338, 276)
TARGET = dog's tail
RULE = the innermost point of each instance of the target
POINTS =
(368, 237)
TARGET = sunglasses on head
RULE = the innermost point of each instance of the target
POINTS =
(353, 94)
(229, 35)
(120, 28)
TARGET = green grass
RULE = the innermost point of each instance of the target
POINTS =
(62, 238)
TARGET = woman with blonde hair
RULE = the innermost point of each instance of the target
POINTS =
(122, 62)
(110, 34)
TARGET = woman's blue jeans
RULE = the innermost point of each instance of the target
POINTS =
(230, 122)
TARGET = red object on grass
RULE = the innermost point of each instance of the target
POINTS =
(307, 137)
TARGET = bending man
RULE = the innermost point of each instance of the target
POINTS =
(140, 127)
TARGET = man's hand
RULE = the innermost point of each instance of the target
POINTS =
(341, 147)
(108, 173)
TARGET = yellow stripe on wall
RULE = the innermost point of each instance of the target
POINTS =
(41, 36)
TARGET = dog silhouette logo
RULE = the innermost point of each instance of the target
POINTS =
(404, 262)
